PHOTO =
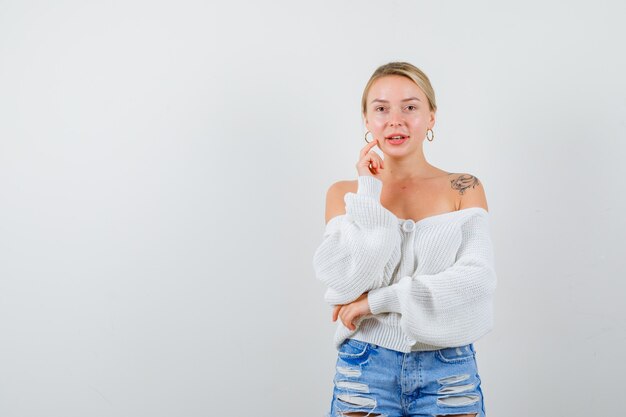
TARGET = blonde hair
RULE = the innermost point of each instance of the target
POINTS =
(406, 70)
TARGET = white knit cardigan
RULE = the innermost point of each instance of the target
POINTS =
(430, 282)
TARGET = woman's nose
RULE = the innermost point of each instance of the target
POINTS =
(395, 117)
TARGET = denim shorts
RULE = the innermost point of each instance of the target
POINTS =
(377, 381)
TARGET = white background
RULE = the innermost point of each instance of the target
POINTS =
(163, 168)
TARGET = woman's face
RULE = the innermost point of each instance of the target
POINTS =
(397, 106)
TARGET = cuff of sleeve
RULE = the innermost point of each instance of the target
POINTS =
(364, 206)
(383, 300)
(370, 186)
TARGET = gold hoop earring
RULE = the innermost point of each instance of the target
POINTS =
(366, 136)
(430, 139)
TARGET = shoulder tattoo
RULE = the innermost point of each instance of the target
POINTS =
(463, 182)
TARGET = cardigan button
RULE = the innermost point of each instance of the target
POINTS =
(408, 225)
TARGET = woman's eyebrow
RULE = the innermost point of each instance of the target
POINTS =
(386, 101)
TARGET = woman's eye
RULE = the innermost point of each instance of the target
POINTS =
(411, 107)
(379, 107)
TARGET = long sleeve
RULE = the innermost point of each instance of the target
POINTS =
(452, 307)
(358, 247)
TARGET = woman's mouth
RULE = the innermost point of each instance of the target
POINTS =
(397, 140)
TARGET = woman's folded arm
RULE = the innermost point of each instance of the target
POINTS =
(454, 306)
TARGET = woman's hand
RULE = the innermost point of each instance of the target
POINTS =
(369, 161)
(349, 313)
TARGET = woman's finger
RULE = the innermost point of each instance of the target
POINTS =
(369, 157)
(368, 147)
(379, 161)
(347, 318)
(336, 310)
(347, 323)
(342, 317)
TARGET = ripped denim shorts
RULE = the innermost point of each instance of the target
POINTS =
(375, 381)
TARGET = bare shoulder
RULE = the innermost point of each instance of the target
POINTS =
(470, 190)
(335, 205)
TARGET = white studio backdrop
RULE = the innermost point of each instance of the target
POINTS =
(163, 169)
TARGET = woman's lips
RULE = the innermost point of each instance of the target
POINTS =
(397, 141)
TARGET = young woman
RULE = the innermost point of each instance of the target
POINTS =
(409, 265)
